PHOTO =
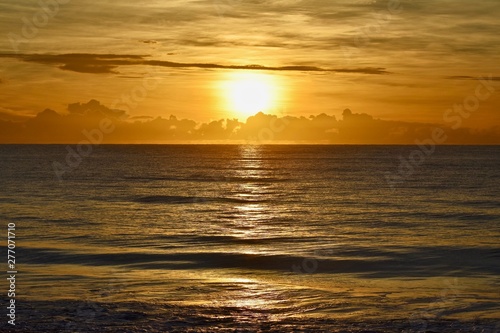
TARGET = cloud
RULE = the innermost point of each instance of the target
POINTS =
(366, 70)
(71, 127)
(141, 118)
(107, 63)
(12, 116)
(88, 68)
(95, 108)
(467, 77)
(82, 63)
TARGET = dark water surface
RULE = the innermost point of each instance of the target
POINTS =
(273, 238)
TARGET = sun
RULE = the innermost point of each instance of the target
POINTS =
(249, 93)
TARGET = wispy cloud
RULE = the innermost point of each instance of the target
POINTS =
(12, 115)
(467, 77)
(108, 63)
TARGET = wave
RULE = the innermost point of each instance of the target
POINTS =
(175, 199)
(414, 262)
(139, 316)
(452, 216)
(230, 240)
(75, 221)
(208, 178)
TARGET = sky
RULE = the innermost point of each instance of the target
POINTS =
(358, 71)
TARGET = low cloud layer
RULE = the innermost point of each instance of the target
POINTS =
(81, 121)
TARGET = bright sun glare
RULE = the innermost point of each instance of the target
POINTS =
(248, 93)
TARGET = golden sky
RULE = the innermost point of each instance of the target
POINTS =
(403, 62)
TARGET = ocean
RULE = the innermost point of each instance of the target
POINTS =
(252, 238)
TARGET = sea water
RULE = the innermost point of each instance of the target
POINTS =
(242, 238)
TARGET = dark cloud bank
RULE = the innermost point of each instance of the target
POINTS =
(108, 64)
(94, 121)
